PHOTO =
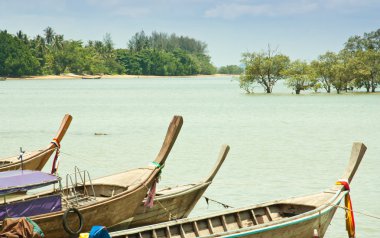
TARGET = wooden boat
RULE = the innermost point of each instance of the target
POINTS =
(106, 203)
(297, 217)
(173, 202)
(36, 160)
(91, 77)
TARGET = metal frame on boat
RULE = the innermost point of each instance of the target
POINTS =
(297, 217)
(107, 203)
(36, 160)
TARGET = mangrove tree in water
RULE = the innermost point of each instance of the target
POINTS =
(264, 68)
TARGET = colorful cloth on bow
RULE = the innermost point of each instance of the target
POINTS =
(350, 220)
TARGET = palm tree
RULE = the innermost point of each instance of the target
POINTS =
(49, 35)
(57, 42)
(23, 37)
(40, 44)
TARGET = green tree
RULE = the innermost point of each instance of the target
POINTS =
(139, 41)
(365, 69)
(323, 68)
(342, 71)
(264, 68)
(16, 59)
(39, 49)
(299, 76)
(366, 50)
(230, 69)
(49, 35)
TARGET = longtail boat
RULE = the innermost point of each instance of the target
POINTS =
(91, 77)
(297, 217)
(80, 205)
(173, 202)
(36, 160)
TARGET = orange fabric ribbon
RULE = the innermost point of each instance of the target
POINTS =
(350, 220)
(54, 167)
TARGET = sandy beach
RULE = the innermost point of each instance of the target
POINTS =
(121, 76)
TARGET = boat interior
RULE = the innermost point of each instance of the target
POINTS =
(220, 223)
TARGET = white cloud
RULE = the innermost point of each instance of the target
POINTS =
(348, 3)
(29, 7)
(234, 10)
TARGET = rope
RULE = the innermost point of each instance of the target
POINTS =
(152, 190)
(54, 167)
(166, 210)
(356, 211)
(212, 200)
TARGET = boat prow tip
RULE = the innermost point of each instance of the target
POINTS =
(357, 154)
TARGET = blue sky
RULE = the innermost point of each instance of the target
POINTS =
(301, 29)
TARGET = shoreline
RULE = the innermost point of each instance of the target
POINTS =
(121, 76)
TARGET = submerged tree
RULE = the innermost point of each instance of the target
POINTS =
(263, 68)
(300, 76)
(323, 68)
(366, 52)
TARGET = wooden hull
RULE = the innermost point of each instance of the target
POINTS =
(105, 213)
(165, 208)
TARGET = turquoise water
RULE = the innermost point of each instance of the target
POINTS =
(282, 145)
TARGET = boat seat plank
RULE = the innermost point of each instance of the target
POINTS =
(253, 215)
(154, 235)
(238, 220)
(268, 213)
(196, 229)
(224, 223)
(168, 234)
(209, 226)
(182, 232)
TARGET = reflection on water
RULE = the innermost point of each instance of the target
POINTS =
(281, 145)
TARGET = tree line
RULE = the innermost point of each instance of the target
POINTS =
(357, 65)
(50, 53)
